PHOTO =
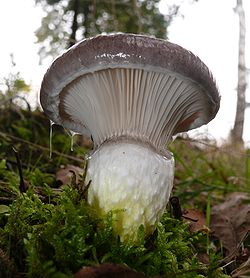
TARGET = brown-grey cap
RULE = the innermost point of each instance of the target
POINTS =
(129, 85)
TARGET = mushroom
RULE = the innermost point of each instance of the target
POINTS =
(131, 93)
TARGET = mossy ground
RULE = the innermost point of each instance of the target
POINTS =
(48, 230)
(56, 239)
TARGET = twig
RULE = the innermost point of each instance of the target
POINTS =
(16, 96)
(82, 186)
(175, 203)
(23, 184)
(4, 135)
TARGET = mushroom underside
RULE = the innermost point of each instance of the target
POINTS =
(150, 106)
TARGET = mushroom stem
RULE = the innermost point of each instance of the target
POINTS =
(134, 179)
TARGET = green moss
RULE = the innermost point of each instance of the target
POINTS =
(56, 240)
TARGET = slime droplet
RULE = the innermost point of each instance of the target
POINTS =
(72, 133)
(50, 138)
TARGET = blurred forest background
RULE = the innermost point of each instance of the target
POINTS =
(212, 182)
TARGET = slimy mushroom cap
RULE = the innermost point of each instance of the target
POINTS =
(129, 85)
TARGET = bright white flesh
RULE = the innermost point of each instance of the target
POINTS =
(130, 177)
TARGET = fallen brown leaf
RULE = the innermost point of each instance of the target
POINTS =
(65, 174)
(196, 220)
(230, 221)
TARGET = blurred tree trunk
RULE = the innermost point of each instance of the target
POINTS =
(237, 131)
(74, 26)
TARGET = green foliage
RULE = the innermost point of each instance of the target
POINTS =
(66, 22)
(28, 132)
(208, 170)
(8, 177)
(13, 84)
(55, 240)
(36, 177)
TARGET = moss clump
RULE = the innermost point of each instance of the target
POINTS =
(57, 239)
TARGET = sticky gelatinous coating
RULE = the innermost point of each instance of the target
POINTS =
(127, 51)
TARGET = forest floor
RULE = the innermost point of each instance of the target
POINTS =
(47, 228)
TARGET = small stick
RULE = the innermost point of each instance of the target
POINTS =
(42, 148)
(175, 203)
(22, 185)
